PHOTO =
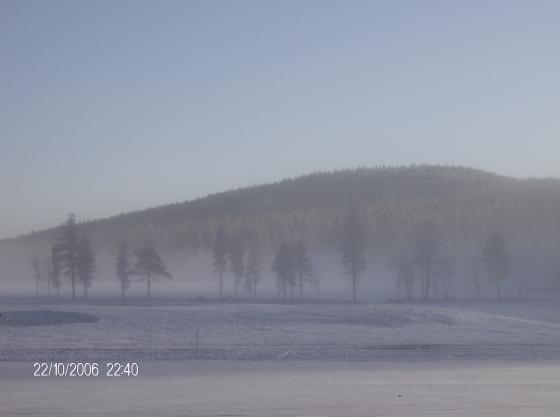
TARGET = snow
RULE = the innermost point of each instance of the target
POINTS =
(18, 318)
(290, 388)
(297, 332)
(304, 360)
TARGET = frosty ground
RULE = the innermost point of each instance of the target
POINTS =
(286, 360)
(524, 331)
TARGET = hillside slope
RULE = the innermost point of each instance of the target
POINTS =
(321, 192)
(466, 205)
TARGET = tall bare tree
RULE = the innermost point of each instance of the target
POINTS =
(68, 245)
(497, 260)
(237, 262)
(427, 254)
(253, 272)
(123, 269)
(352, 246)
(406, 274)
(473, 277)
(219, 253)
(303, 265)
(283, 266)
(86, 264)
(37, 275)
(55, 272)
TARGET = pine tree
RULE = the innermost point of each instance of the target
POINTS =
(149, 265)
(220, 258)
(237, 262)
(303, 265)
(352, 247)
(47, 273)
(36, 266)
(427, 254)
(68, 245)
(283, 266)
(123, 269)
(316, 281)
(497, 259)
(55, 274)
(55, 271)
(473, 277)
(86, 264)
(405, 275)
(253, 272)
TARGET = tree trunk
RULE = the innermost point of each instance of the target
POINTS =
(73, 280)
(408, 290)
(221, 283)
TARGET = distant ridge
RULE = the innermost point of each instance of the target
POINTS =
(331, 189)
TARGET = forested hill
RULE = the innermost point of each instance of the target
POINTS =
(327, 190)
(463, 201)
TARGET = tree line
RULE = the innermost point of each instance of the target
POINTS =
(422, 269)
(72, 258)
(292, 264)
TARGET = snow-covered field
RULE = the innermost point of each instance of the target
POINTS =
(314, 360)
(273, 331)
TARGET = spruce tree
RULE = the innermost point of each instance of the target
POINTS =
(253, 272)
(237, 262)
(149, 265)
(283, 266)
(352, 246)
(497, 260)
(427, 256)
(220, 258)
(68, 246)
(55, 271)
(123, 269)
(303, 265)
(36, 267)
(86, 264)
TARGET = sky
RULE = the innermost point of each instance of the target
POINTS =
(108, 106)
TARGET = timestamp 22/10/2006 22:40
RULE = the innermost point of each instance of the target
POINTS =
(110, 369)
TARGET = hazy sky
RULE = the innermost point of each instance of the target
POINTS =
(109, 106)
